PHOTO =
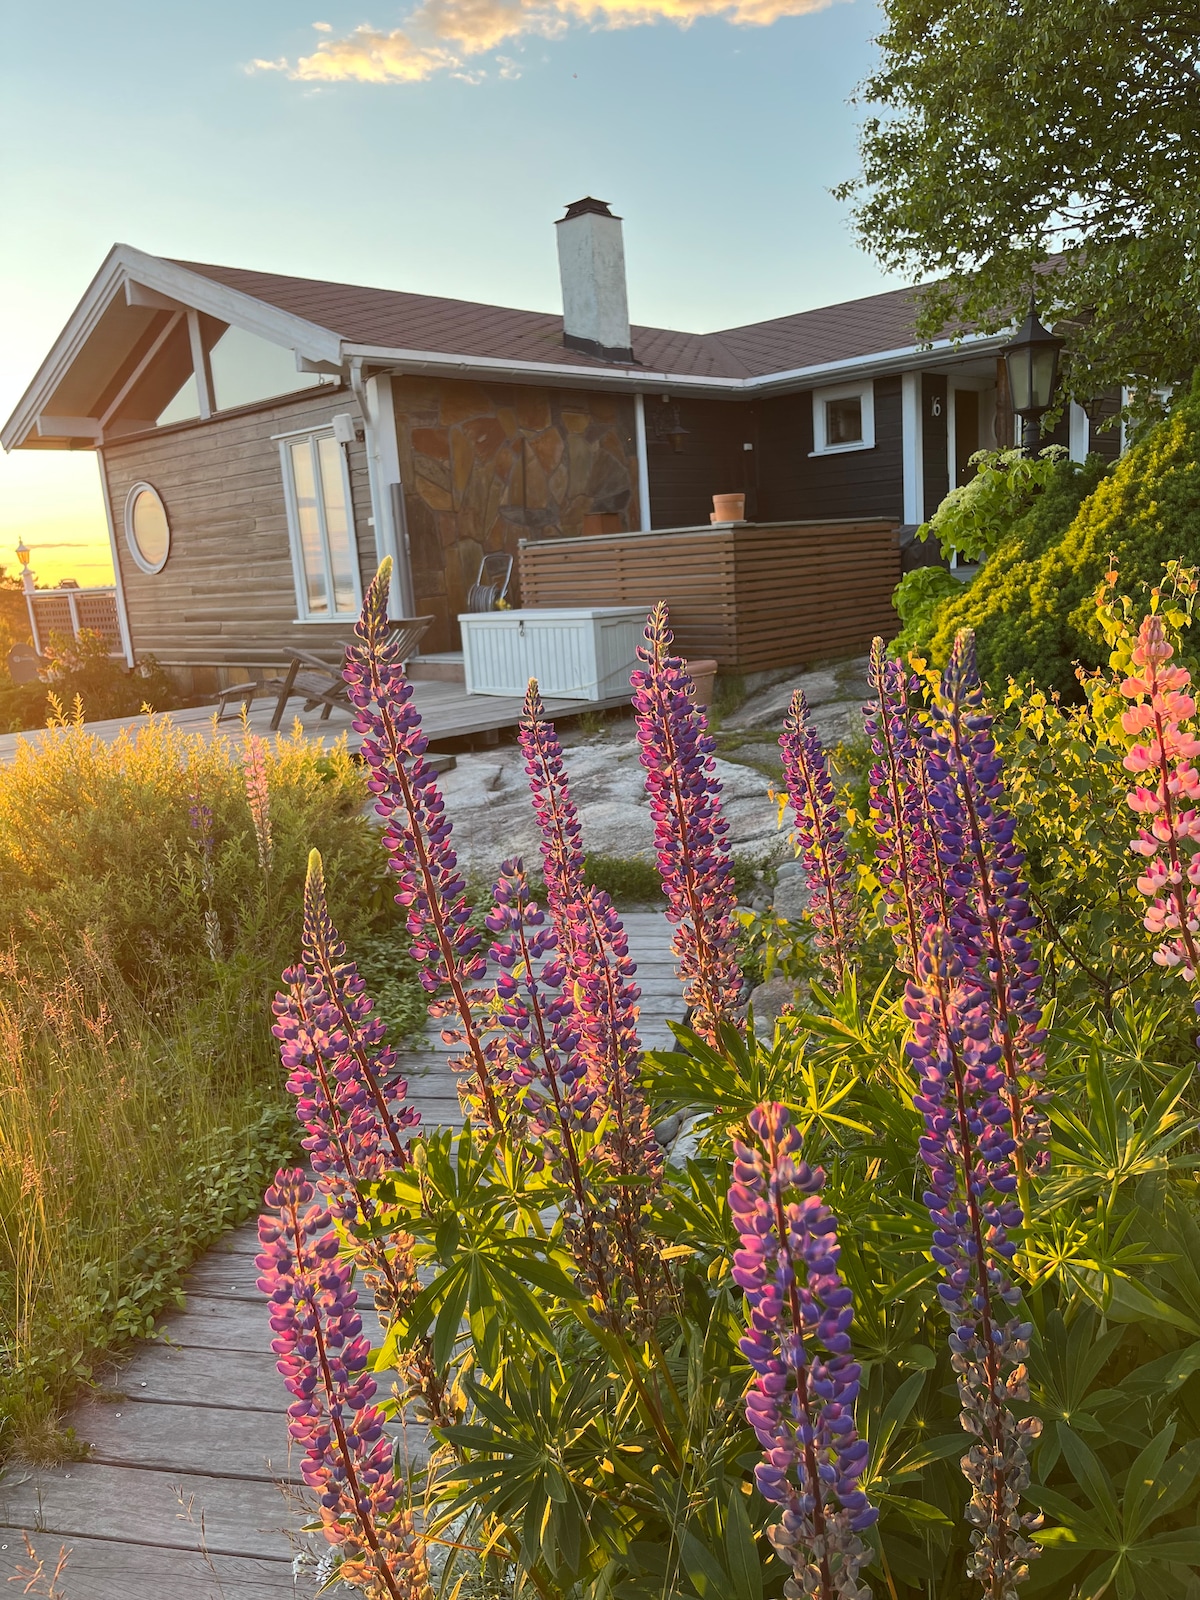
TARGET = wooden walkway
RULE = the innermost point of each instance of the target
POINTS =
(190, 1492)
(447, 712)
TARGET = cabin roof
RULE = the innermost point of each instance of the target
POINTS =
(395, 319)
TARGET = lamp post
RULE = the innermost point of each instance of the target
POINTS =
(1032, 362)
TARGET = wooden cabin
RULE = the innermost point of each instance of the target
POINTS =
(263, 441)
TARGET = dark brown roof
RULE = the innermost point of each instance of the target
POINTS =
(394, 320)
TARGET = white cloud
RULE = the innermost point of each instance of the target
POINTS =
(439, 33)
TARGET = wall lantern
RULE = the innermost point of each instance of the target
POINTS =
(1032, 362)
(666, 427)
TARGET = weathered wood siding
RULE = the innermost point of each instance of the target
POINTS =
(226, 598)
(859, 483)
(753, 597)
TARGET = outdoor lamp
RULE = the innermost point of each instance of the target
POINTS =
(23, 553)
(1032, 362)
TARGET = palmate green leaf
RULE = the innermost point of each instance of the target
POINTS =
(705, 1572)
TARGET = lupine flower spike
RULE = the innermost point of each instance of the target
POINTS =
(801, 1401)
(417, 835)
(821, 840)
(258, 793)
(987, 899)
(1166, 797)
(323, 1357)
(694, 858)
(968, 1147)
(544, 1070)
(906, 853)
(592, 942)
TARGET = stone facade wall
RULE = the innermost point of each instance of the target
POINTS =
(485, 465)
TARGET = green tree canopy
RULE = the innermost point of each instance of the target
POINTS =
(1010, 133)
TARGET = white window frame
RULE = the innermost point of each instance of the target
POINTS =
(131, 544)
(862, 391)
(303, 614)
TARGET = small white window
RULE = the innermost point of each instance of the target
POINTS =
(324, 554)
(147, 531)
(844, 418)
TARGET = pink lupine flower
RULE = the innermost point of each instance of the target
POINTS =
(324, 1360)
(822, 843)
(258, 796)
(595, 950)
(417, 837)
(694, 858)
(1169, 838)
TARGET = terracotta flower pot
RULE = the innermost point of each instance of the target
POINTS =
(729, 508)
(703, 675)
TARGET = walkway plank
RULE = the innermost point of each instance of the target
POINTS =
(196, 1418)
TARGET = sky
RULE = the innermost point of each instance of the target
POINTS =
(425, 146)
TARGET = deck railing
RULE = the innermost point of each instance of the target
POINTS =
(66, 611)
(753, 596)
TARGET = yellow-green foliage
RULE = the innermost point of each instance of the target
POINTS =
(142, 1104)
(1033, 607)
(97, 841)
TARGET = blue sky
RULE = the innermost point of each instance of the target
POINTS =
(424, 146)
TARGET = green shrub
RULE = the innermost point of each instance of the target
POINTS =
(917, 598)
(1032, 606)
(1019, 622)
(80, 675)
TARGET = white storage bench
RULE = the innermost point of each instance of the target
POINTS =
(585, 653)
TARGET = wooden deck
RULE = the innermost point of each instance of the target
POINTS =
(447, 712)
(190, 1492)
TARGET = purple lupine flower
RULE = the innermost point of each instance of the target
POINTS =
(324, 1359)
(801, 1400)
(822, 842)
(595, 949)
(988, 910)
(968, 1147)
(907, 855)
(351, 1096)
(417, 834)
(258, 795)
(694, 858)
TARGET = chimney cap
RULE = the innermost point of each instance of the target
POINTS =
(581, 208)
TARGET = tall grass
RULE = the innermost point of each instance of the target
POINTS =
(141, 1103)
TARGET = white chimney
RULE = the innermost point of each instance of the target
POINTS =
(591, 263)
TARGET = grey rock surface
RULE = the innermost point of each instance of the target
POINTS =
(487, 799)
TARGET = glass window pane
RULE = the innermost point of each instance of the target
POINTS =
(337, 525)
(309, 526)
(150, 531)
(843, 420)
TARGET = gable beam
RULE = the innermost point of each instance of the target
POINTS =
(67, 427)
(201, 366)
(127, 387)
(137, 294)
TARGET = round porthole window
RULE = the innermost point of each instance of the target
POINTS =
(147, 531)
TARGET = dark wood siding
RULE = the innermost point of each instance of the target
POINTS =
(861, 483)
(710, 460)
(226, 598)
(753, 597)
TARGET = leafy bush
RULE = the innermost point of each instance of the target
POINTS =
(1031, 604)
(81, 676)
(916, 598)
(975, 518)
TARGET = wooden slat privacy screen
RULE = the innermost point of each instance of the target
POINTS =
(753, 596)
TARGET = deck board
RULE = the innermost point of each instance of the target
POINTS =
(447, 712)
(192, 1431)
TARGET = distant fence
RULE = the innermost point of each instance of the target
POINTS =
(751, 595)
(66, 611)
